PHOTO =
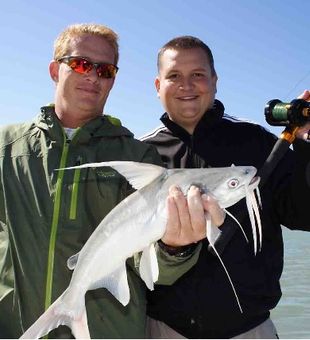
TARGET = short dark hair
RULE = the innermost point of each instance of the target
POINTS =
(186, 42)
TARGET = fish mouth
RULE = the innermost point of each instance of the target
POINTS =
(254, 182)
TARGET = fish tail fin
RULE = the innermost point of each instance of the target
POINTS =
(79, 327)
(48, 321)
(59, 313)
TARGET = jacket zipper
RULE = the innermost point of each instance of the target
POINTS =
(195, 160)
(75, 189)
(54, 226)
(75, 185)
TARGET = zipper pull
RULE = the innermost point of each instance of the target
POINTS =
(78, 160)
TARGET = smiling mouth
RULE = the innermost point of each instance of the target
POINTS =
(187, 98)
(88, 90)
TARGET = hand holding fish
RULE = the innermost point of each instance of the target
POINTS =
(186, 216)
(304, 131)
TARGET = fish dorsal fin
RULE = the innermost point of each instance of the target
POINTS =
(137, 174)
(72, 261)
(149, 266)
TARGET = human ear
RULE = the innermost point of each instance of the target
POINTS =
(214, 81)
(54, 70)
(157, 85)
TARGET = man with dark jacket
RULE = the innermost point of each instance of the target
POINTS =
(196, 132)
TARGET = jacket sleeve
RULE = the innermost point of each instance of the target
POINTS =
(9, 325)
(152, 156)
(173, 267)
(6, 280)
(285, 194)
(295, 212)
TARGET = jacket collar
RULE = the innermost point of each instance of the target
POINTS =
(100, 126)
(207, 122)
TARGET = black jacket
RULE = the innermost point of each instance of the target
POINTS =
(201, 304)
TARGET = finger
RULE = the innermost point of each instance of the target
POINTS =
(181, 204)
(211, 206)
(176, 203)
(173, 221)
(196, 211)
(303, 132)
(305, 95)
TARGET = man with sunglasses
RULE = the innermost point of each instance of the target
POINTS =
(46, 215)
(196, 132)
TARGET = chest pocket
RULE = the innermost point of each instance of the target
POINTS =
(101, 189)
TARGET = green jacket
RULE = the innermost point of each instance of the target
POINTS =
(47, 215)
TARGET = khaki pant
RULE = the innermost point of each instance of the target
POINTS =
(159, 330)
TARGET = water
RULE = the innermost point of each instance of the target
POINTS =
(292, 315)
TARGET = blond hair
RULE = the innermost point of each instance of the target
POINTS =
(62, 42)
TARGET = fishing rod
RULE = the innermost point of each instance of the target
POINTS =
(291, 115)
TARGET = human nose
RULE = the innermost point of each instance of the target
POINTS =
(92, 75)
(186, 83)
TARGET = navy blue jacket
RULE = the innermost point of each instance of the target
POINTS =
(201, 304)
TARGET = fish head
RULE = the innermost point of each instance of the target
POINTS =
(227, 185)
(236, 183)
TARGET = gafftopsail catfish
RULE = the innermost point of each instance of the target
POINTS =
(135, 225)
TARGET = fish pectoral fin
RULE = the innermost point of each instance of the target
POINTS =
(212, 232)
(137, 174)
(72, 261)
(117, 284)
(149, 266)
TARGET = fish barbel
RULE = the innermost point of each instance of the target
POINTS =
(140, 218)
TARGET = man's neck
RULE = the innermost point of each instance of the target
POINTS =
(73, 120)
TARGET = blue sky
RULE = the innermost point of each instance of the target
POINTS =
(261, 50)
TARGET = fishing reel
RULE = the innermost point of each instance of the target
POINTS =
(295, 113)
(291, 115)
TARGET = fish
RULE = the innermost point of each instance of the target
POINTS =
(141, 218)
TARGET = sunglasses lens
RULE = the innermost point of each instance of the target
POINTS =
(106, 71)
(80, 65)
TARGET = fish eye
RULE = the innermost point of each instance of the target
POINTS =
(233, 183)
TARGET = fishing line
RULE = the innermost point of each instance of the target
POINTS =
(299, 82)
